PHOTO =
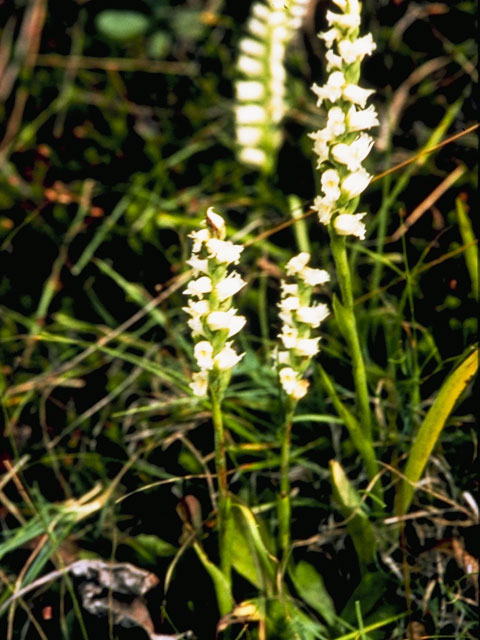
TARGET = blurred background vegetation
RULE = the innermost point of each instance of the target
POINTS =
(116, 135)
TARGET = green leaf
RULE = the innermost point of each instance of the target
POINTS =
(369, 592)
(431, 428)
(250, 556)
(121, 25)
(220, 583)
(309, 584)
(358, 524)
(468, 237)
(158, 44)
(151, 547)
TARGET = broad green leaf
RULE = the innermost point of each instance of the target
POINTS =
(250, 556)
(121, 25)
(468, 237)
(309, 584)
(358, 524)
(430, 430)
(220, 583)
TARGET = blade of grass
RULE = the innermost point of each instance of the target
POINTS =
(468, 238)
(431, 428)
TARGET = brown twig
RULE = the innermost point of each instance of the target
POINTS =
(116, 64)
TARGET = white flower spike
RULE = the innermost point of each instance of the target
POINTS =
(299, 317)
(212, 318)
(261, 89)
(339, 153)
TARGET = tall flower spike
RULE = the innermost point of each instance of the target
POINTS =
(341, 146)
(260, 93)
(213, 320)
(299, 317)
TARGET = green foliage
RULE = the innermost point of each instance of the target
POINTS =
(117, 136)
(121, 25)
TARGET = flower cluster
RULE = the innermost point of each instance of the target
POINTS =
(341, 146)
(213, 320)
(260, 93)
(299, 317)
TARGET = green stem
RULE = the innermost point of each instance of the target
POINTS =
(223, 496)
(284, 506)
(349, 327)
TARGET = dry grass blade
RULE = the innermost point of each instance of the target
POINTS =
(428, 202)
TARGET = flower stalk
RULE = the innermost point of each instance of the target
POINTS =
(298, 317)
(341, 147)
(213, 321)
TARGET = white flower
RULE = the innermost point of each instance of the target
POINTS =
(297, 263)
(229, 286)
(199, 287)
(260, 11)
(320, 146)
(307, 347)
(341, 4)
(215, 222)
(357, 95)
(291, 385)
(312, 277)
(199, 238)
(248, 136)
(220, 320)
(312, 316)
(249, 90)
(333, 61)
(354, 153)
(330, 181)
(355, 51)
(330, 36)
(343, 20)
(290, 304)
(358, 120)
(277, 51)
(202, 352)
(336, 121)
(253, 156)
(252, 47)
(250, 66)
(227, 358)
(288, 378)
(257, 28)
(197, 309)
(198, 266)
(325, 209)
(331, 91)
(289, 337)
(196, 326)
(250, 114)
(299, 389)
(282, 357)
(347, 224)
(224, 251)
(279, 32)
(289, 289)
(355, 183)
(199, 384)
